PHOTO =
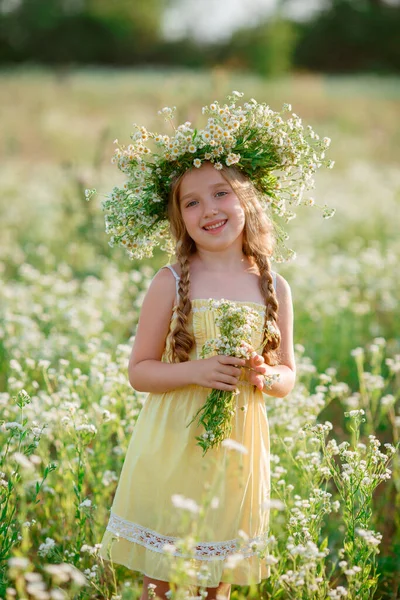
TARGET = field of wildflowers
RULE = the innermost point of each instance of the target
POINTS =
(68, 309)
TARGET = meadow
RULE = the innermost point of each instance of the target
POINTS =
(69, 305)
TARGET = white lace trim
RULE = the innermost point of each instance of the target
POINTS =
(204, 551)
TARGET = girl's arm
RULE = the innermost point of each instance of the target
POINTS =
(287, 367)
(146, 371)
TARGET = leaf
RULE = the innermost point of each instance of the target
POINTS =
(324, 544)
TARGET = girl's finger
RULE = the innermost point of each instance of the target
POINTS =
(257, 380)
(256, 360)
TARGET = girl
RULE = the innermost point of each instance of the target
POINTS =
(224, 243)
(213, 193)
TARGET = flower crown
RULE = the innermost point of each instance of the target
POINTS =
(279, 157)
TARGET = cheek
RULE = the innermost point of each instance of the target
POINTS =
(189, 219)
(240, 217)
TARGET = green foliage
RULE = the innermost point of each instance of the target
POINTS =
(344, 36)
(349, 36)
(57, 32)
(267, 49)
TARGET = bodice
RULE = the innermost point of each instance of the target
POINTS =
(202, 325)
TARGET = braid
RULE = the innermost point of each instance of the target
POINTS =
(270, 346)
(182, 339)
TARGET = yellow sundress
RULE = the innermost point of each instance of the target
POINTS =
(164, 461)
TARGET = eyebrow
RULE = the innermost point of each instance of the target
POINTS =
(213, 186)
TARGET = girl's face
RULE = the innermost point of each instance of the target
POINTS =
(211, 211)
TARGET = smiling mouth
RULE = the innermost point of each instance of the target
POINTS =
(216, 226)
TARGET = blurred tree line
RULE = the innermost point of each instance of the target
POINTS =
(344, 36)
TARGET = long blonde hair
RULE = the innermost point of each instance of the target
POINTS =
(258, 244)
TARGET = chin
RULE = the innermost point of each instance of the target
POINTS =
(219, 244)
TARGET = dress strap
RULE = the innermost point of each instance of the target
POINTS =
(177, 278)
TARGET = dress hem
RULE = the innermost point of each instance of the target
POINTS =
(204, 551)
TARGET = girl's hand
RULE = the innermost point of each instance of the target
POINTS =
(218, 372)
(256, 368)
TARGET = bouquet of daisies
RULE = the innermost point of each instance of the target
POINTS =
(236, 324)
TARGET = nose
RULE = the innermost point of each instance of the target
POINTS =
(210, 210)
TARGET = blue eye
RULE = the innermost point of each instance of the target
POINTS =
(191, 203)
(221, 193)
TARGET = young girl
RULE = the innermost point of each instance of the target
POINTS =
(224, 241)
